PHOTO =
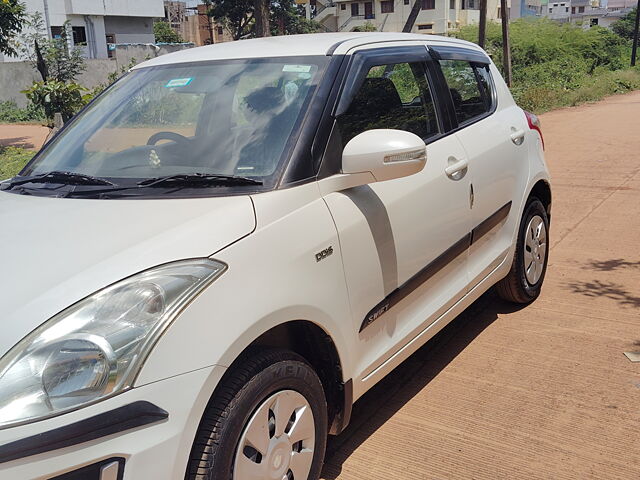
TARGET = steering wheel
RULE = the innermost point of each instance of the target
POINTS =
(175, 137)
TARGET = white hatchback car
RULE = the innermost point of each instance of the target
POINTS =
(212, 262)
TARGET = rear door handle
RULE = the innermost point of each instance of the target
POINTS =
(517, 136)
(456, 168)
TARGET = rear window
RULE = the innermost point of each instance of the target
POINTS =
(470, 88)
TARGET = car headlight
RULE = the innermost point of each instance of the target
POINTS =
(95, 348)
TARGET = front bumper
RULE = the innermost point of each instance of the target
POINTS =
(158, 448)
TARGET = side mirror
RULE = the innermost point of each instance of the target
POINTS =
(385, 153)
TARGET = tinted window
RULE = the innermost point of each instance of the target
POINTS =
(470, 89)
(392, 96)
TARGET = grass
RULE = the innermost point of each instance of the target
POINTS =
(12, 159)
(592, 88)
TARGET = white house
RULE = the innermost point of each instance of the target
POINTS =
(94, 23)
(435, 16)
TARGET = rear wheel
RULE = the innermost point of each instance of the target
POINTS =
(266, 421)
(524, 281)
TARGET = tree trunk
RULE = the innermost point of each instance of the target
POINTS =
(506, 48)
(482, 27)
(262, 18)
(411, 20)
(40, 63)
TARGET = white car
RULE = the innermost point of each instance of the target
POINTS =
(210, 264)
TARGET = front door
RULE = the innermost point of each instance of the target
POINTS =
(404, 241)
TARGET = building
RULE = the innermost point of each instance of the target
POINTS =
(94, 24)
(435, 17)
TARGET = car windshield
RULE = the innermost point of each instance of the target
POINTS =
(231, 118)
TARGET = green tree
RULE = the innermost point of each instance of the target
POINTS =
(287, 18)
(54, 58)
(12, 16)
(239, 16)
(236, 15)
(165, 34)
(624, 27)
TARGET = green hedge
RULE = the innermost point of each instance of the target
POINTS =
(557, 65)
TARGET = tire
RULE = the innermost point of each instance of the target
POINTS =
(522, 285)
(263, 383)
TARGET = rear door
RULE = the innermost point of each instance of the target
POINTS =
(492, 134)
(404, 241)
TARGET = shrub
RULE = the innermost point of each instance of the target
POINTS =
(11, 113)
(557, 64)
(57, 97)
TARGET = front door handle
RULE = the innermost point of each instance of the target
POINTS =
(517, 136)
(456, 168)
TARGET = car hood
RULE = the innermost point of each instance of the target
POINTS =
(56, 251)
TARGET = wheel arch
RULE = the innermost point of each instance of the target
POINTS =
(318, 348)
(542, 190)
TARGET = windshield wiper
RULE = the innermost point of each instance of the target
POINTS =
(197, 180)
(68, 178)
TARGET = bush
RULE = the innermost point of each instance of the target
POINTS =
(11, 113)
(557, 64)
(57, 97)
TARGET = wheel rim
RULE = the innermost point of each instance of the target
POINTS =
(535, 249)
(278, 441)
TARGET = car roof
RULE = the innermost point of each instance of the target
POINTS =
(295, 45)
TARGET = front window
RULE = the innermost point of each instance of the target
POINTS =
(228, 118)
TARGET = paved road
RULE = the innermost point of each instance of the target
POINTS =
(544, 391)
(25, 136)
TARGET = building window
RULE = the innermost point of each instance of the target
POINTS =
(79, 35)
(580, 9)
(343, 6)
(406, 2)
(425, 26)
(355, 9)
(452, 4)
(428, 4)
(386, 6)
(594, 22)
(56, 32)
(220, 31)
(566, 9)
(573, 10)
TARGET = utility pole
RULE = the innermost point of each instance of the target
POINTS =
(634, 49)
(411, 19)
(482, 26)
(506, 48)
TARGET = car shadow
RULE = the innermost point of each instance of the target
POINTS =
(380, 403)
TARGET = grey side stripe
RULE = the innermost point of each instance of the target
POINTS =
(375, 213)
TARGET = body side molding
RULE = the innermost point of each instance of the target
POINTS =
(436, 265)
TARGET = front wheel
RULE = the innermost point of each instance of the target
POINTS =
(524, 281)
(266, 421)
